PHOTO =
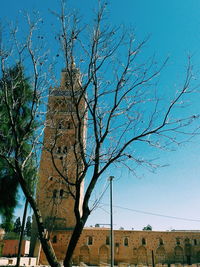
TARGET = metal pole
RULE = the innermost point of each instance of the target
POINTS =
(22, 234)
(153, 263)
(111, 225)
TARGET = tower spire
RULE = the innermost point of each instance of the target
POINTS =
(72, 63)
(70, 76)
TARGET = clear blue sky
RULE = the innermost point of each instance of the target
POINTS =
(174, 26)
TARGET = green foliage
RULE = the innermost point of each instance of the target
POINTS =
(16, 131)
(16, 104)
(8, 193)
(17, 226)
(11, 236)
(7, 224)
(147, 228)
(28, 227)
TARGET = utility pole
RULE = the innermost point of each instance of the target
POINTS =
(22, 234)
(111, 224)
(152, 254)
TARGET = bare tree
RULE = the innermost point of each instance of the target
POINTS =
(119, 106)
(19, 99)
(116, 102)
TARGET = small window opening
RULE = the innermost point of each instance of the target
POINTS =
(54, 193)
(126, 241)
(90, 240)
(178, 241)
(160, 242)
(65, 150)
(195, 242)
(67, 83)
(58, 149)
(54, 240)
(69, 125)
(61, 192)
(60, 125)
(61, 158)
(50, 178)
(107, 240)
(143, 241)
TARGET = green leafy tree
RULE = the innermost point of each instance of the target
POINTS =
(28, 226)
(147, 228)
(8, 193)
(16, 131)
(16, 91)
(17, 226)
(19, 104)
(7, 224)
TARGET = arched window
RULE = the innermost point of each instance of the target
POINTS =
(160, 241)
(61, 192)
(107, 240)
(54, 193)
(179, 254)
(85, 254)
(59, 125)
(69, 125)
(143, 241)
(65, 150)
(142, 255)
(178, 242)
(90, 240)
(126, 241)
(104, 254)
(58, 149)
(160, 255)
(54, 240)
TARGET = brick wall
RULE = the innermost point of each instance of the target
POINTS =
(133, 247)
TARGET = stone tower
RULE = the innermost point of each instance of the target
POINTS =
(60, 157)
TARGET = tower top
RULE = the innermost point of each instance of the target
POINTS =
(70, 75)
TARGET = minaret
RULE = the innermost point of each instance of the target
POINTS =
(60, 157)
(58, 161)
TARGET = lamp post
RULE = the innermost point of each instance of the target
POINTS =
(111, 224)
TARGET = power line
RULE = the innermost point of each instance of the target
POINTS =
(156, 214)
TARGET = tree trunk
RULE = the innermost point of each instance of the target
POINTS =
(46, 245)
(21, 234)
(72, 244)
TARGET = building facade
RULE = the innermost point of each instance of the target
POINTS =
(130, 247)
(60, 161)
(10, 248)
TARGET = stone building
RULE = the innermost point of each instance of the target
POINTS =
(132, 247)
(57, 204)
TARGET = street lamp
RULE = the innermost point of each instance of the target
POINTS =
(111, 224)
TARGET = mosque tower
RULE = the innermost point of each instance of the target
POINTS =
(60, 157)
